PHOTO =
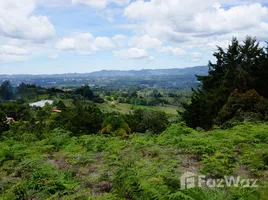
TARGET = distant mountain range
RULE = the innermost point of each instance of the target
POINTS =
(162, 78)
(198, 70)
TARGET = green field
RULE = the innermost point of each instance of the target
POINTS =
(126, 108)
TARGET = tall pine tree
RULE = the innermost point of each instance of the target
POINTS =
(241, 66)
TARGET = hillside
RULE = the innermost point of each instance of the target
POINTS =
(60, 166)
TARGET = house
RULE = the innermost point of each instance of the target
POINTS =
(41, 103)
(56, 111)
(9, 120)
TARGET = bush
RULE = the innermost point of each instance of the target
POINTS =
(249, 106)
(146, 120)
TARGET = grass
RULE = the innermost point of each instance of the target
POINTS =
(126, 108)
(143, 166)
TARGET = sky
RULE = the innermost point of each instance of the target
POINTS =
(79, 36)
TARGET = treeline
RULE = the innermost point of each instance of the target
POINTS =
(147, 96)
(80, 119)
(235, 88)
(24, 92)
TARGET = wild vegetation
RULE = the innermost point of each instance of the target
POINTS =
(115, 143)
(142, 166)
(239, 69)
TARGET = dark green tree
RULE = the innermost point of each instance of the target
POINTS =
(85, 91)
(7, 92)
(15, 110)
(61, 105)
(240, 67)
(249, 106)
(84, 120)
(3, 125)
(142, 120)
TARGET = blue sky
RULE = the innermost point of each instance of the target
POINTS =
(66, 36)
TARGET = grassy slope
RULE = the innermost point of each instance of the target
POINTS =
(126, 108)
(139, 167)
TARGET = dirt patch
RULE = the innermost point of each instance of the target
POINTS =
(191, 163)
(103, 187)
(60, 163)
(243, 171)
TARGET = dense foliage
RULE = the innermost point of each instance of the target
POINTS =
(61, 166)
(242, 67)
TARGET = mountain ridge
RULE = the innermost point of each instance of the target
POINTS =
(200, 70)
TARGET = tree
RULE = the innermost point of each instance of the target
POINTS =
(248, 106)
(3, 125)
(61, 105)
(15, 110)
(7, 92)
(115, 124)
(237, 67)
(85, 91)
(84, 120)
(142, 120)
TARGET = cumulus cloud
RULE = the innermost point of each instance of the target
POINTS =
(170, 27)
(145, 42)
(223, 21)
(12, 50)
(179, 21)
(84, 44)
(132, 53)
(119, 37)
(103, 43)
(53, 57)
(12, 53)
(100, 3)
(195, 56)
(17, 21)
(120, 40)
(172, 51)
(22, 32)
(175, 51)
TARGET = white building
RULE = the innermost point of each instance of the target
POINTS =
(41, 103)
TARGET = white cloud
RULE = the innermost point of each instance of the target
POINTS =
(170, 27)
(120, 40)
(66, 44)
(100, 3)
(23, 33)
(172, 51)
(175, 51)
(84, 44)
(12, 53)
(53, 57)
(132, 53)
(17, 21)
(12, 50)
(151, 58)
(195, 56)
(222, 21)
(119, 37)
(145, 42)
(54, 3)
(12, 58)
(104, 43)
(179, 21)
